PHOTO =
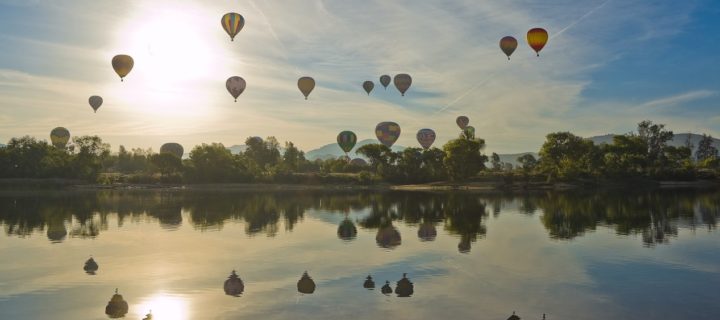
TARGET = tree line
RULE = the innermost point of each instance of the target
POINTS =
(563, 157)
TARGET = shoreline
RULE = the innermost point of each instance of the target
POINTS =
(469, 186)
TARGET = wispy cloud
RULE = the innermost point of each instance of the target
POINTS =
(679, 99)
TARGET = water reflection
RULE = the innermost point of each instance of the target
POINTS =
(117, 307)
(234, 286)
(90, 266)
(165, 306)
(654, 216)
(306, 284)
(404, 287)
(369, 283)
(386, 289)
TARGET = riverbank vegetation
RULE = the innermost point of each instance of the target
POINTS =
(564, 157)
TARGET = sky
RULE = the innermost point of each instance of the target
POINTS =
(608, 65)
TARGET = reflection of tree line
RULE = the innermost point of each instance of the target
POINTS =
(655, 215)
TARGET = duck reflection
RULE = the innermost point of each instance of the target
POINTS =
(90, 266)
(386, 289)
(116, 307)
(347, 230)
(369, 283)
(404, 287)
(234, 286)
(306, 284)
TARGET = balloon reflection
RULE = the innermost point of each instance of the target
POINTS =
(306, 284)
(404, 287)
(386, 289)
(234, 286)
(117, 307)
(90, 266)
(369, 283)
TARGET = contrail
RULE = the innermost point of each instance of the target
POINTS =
(270, 28)
(463, 95)
(579, 19)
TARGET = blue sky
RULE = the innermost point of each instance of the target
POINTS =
(607, 66)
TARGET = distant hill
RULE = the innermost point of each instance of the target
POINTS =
(332, 150)
(512, 158)
(237, 149)
(678, 140)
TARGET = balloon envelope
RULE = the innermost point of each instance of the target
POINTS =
(232, 23)
(122, 64)
(537, 38)
(508, 45)
(387, 132)
(235, 85)
(306, 85)
(426, 137)
(95, 102)
(346, 140)
(462, 121)
(173, 148)
(403, 82)
(368, 86)
(59, 137)
(385, 80)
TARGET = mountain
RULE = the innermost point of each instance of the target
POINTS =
(678, 140)
(512, 158)
(332, 150)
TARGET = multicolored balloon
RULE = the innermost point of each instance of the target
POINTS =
(462, 122)
(537, 38)
(426, 137)
(59, 137)
(385, 80)
(368, 86)
(402, 82)
(173, 148)
(232, 23)
(346, 140)
(306, 85)
(387, 133)
(122, 64)
(235, 85)
(95, 102)
(508, 45)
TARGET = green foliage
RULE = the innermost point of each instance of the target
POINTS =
(705, 149)
(463, 158)
(567, 156)
(214, 163)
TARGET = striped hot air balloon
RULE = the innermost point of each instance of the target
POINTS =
(387, 132)
(346, 140)
(537, 38)
(232, 23)
(426, 137)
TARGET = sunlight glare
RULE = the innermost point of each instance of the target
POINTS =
(164, 306)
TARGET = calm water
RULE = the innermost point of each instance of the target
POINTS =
(589, 255)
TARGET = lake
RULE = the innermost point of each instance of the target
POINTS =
(614, 254)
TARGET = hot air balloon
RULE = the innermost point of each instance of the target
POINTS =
(385, 80)
(469, 132)
(234, 286)
(426, 137)
(117, 307)
(60, 137)
(387, 132)
(402, 82)
(95, 102)
(122, 64)
(173, 148)
(368, 86)
(235, 85)
(537, 38)
(306, 284)
(508, 45)
(232, 23)
(346, 140)
(462, 122)
(306, 85)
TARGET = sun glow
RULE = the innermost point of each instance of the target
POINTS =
(177, 64)
(164, 306)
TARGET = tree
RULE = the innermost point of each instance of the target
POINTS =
(293, 159)
(656, 138)
(433, 161)
(212, 163)
(626, 156)
(263, 154)
(463, 158)
(378, 154)
(566, 156)
(705, 149)
(495, 162)
(528, 162)
(91, 152)
(167, 163)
